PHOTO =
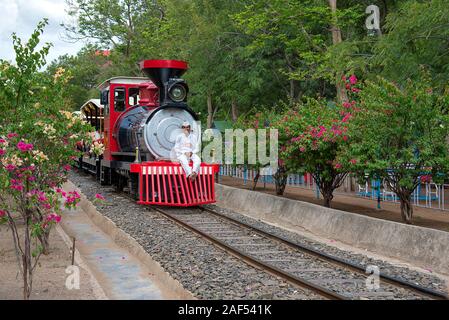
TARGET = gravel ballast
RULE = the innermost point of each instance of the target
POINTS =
(203, 269)
(209, 272)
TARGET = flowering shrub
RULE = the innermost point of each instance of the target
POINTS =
(97, 148)
(311, 136)
(99, 200)
(34, 155)
(400, 135)
(262, 119)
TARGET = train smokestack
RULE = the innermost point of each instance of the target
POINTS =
(161, 71)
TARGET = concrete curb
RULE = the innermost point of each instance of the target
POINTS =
(125, 241)
(79, 261)
(423, 247)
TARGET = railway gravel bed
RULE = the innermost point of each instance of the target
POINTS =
(329, 276)
(404, 273)
(203, 269)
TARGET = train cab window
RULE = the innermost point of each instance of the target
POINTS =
(104, 100)
(119, 99)
(133, 96)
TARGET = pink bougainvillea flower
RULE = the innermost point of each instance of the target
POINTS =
(53, 217)
(353, 161)
(99, 196)
(355, 90)
(2, 141)
(10, 167)
(302, 149)
(22, 146)
(338, 166)
(67, 167)
(353, 79)
(346, 117)
(17, 187)
(2, 152)
(12, 135)
(347, 105)
(32, 179)
(2, 213)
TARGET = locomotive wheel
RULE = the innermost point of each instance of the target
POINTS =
(133, 185)
(119, 182)
(105, 176)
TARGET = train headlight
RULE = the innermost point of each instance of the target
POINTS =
(177, 93)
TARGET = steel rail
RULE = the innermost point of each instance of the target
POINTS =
(336, 260)
(256, 262)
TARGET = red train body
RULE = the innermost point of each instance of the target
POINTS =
(137, 120)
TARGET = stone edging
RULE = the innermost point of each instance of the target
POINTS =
(127, 242)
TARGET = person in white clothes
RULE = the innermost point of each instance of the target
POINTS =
(186, 145)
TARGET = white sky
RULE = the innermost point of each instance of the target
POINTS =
(22, 16)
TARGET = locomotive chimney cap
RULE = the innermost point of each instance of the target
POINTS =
(160, 71)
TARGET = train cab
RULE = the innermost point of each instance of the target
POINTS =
(119, 94)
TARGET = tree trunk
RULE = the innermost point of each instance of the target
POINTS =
(336, 39)
(327, 191)
(43, 239)
(406, 208)
(210, 111)
(280, 179)
(327, 197)
(256, 179)
(26, 263)
(234, 111)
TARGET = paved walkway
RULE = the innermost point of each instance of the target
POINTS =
(119, 274)
(424, 217)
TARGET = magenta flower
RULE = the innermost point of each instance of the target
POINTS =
(346, 117)
(22, 146)
(17, 187)
(10, 167)
(338, 166)
(53, 217)
(2, 141)
(99, 196)
(2, 152)
(2, 213)
(353, 79)
(347, 105)
(67, 167)
(353, 161)
(12, 135)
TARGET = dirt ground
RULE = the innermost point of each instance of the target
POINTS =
(423, 217)
(49, 278)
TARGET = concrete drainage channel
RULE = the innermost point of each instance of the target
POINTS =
(120, 265)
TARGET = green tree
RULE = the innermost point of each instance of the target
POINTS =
(399, 135)
(416, 35)
(87, 70)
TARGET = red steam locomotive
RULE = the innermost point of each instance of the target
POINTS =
(137, 121)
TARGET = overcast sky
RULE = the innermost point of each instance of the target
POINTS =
(22, 16)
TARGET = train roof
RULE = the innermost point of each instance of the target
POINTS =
(91, 105)
(124, 80)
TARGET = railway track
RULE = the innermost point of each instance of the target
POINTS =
(325, 275)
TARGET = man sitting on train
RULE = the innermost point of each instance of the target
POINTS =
(186, 147)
